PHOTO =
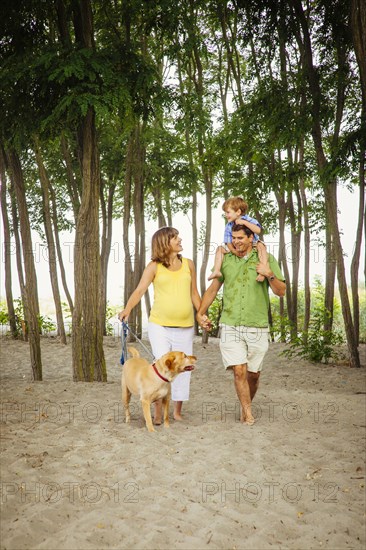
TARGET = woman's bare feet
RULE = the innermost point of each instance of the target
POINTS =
(177, 413)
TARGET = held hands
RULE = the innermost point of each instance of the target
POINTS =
(204, 321)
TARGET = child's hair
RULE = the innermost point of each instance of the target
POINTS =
(160, 245)
(236, 203)
(240, 227)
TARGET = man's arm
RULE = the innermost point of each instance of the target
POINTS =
(207, 300)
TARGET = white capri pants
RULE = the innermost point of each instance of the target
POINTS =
(165, 339)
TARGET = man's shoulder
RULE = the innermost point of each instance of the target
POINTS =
(271, 258)
(228, 257)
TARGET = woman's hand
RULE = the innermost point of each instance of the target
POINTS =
(123, 315)
(204, 321)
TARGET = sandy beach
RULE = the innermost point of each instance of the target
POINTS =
(75, 476)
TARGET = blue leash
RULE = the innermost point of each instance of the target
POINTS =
(124, 343)
(125, 328)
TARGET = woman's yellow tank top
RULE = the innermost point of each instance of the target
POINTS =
(172, 305)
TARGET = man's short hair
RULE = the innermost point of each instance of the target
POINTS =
(239, 227)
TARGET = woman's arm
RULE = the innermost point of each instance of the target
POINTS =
(196, 298)
(146, 279)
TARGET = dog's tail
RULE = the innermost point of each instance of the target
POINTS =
(133, 352)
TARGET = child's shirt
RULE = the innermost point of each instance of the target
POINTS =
(228, 237)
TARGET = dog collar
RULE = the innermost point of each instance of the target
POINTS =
(158, 373)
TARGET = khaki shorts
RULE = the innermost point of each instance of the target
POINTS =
(243, 345)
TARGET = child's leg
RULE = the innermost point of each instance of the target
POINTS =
(219, 256)
(263, 258)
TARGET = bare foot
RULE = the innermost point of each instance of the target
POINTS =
(177, 417)
(247, 418)
(215, 275)
(260, 278)
(157, 421)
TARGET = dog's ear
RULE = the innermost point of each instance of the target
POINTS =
(170, 360)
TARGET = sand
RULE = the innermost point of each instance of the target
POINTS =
(75, 476)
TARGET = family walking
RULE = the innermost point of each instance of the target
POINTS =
(246, 270)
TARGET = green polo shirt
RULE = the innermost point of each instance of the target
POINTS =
(246, 301)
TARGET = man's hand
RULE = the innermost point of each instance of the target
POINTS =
(204, 321)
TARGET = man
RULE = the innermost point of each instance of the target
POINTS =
(244, 318)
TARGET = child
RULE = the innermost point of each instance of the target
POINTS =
(235, 209)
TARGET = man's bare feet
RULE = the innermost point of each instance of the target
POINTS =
(177, 417)
(215, 275)
(246, 417)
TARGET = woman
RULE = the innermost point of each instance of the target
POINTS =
(171, 321)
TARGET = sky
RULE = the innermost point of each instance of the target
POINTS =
(348, 212)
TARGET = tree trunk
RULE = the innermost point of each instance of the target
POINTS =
(282, 256)
(52, 261)
(59, 250)
(330, 274)
(128, 271)
(358, 26)
(307, 244)
(106, 242)
(71, 183)
(357, 251)
(7, 248)
(18, 250)
(295, 261)
(138, 209)
(87, 330)
(31, 304)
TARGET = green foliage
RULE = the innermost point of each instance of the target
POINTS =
(45, 324)
(315, 344)
(214, 314)
(111, 312)
(363, 317)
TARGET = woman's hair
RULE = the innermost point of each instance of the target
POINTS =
(160, 245)
(236, 203)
